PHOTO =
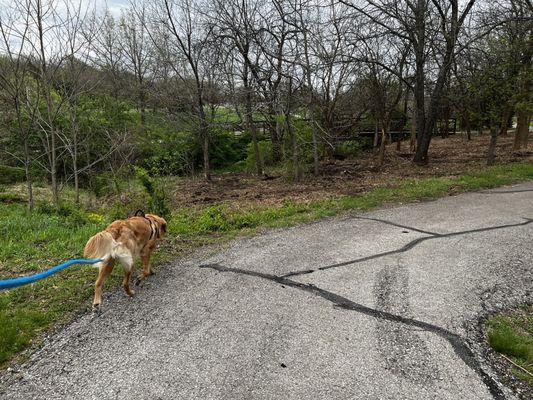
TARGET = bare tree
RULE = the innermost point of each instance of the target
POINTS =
(137, 50)
(182, 21)
(235, 23)
(15, 77)
(47, 56)
(432, 28)
(386, 91)
(108, 53)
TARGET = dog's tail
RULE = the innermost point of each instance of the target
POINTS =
(104, 246)
(100, 246)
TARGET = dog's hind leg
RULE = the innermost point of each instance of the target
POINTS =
(128, 268)
(123, 254)
(104, 271)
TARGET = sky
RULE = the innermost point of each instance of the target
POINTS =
(115, 6)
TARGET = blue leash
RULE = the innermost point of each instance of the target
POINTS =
(25, 280)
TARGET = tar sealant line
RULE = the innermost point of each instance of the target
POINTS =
(457, 344)
(384, 221)
(407, 247)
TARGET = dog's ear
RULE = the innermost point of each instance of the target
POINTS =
(163, 226)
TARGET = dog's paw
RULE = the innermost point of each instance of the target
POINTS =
(130, 293)
(96, 309)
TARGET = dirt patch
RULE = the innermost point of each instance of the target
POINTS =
(448, 157)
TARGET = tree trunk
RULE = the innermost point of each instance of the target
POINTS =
(250, 127)
(29, 182)
(142, 104)
(491, 154)
(53, 171)
(507, 111)
(274, 135)
(204, 135)
(466, 120)
(76, 176)
(316, 164)
(422, 147)
(279, 132)
(427, 122)
(74, 124)
(381, 158)
(295, 150)
(412, 141)
(205, 150)
(522, 130)
(376, 137)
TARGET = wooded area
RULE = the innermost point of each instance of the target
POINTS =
(182, 86)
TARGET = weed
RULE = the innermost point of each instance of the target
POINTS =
(512, 335)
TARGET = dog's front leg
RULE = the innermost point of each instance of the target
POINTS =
(145, 259)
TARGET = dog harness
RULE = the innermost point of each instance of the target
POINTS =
(154, 230)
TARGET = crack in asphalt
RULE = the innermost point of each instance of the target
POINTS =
(412, 228)
(406, 247)
(458, 346)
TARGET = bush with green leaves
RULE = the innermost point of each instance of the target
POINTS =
(72, 215)
(9, 198)
(227, 148)
(158, 202)
(167, 152)
(265, 152)
(11, 174)
(107, 183)
(348, 148)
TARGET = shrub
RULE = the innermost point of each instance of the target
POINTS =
(95, 218)
(77, 218)
(108, 183)
(11, 174)
(213, 219)
(265, 152)
(46, 209)
(72, 215)
(118, 211)
(166, 149)
(9, 198)
(228, 148)
(159, 202)
(348, 148)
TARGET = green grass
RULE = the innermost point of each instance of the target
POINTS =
(35, 242)
(512, 335)
(30, 243)
(225, 218)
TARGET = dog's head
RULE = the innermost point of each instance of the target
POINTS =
(161, 224)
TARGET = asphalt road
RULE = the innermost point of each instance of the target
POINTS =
(380, 306)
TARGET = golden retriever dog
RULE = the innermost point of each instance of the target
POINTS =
(124, 241)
